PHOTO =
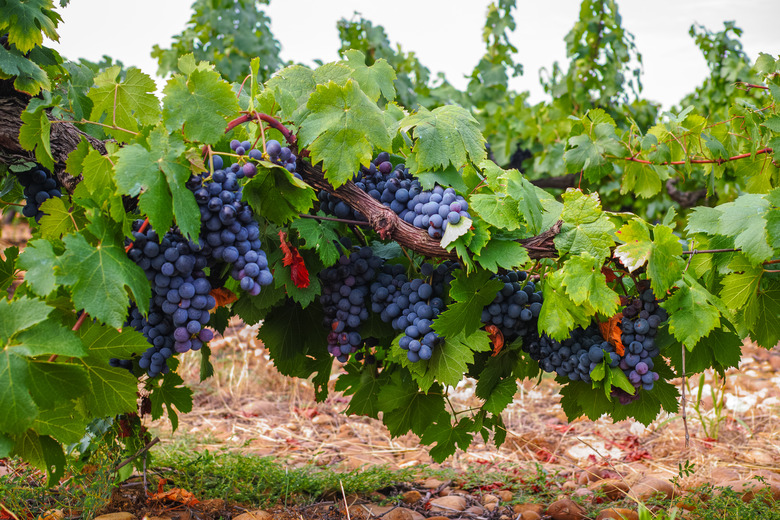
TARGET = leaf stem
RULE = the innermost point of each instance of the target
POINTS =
(11, 203)
(693, 161)
(87, 122)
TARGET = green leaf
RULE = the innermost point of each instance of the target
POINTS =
(692, 314)
(745, 220)
(447, 437)
(586, 228)
(319, 236)
(105, 343)
(26, 21)
(642, 179)
(364, 385)
(126, 103)
(274, 193)
(766, 331)
(740, 288)
(703, 220)
(497, 209)
(470, 294)
(202, 100)
(373, 80)
(559, 314)
(53, 384)
(30, 78)
(520, 189)
(19, 315)
(113, 391)
(585, 283)
(172, 394)
(405, 408)
(662, 253)
(63, 423)
(507, 254)
(500, 397)
(17, 408)
(342, 129)
(47, 338)
(445, 135)
(44, 453)
(58, 220)
(37, 259)
(99, 276)
(765, 63)
(6, 446)
(159, 174)
(8, 269)
(35, 133)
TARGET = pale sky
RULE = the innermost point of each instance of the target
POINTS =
(445, 34)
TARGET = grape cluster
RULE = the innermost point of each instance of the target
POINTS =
(39, 185)
(411, 305)
(641, 319)
(515, 309)
(576, 356)
(276, 154)
(229, 230)
(345, 294)
(180, 303)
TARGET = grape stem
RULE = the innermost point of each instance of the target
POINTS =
(141, 229)
(692, 161)
(272, 121)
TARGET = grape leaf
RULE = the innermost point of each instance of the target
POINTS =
(525, 193)
(500, 396)
(319, 236)
(586, 228)
(58, 220)
(6, 446)
(105, 343)
(692, 314)
(642, 179)
(471, 294)
(47, 338)
(17, 408)
(26, 21)
(497, 209)
(502, 253)
(64, 423)
(98, 276)
(405, 408)
(445, 135)
(342, 129)
(703, 220)
(37, 259)
(35, 133)
(44, 453)
(202, 100)
(158, 174)
(8, 269)
(662, 254)
(744, 219)
(578, 398)
(364, 387)
(30, 78)
(171, 393)
(19, 315)
(373, 80)
(741, 286)
(585, 283)
(124, 104)
(559, 314)
(766, 331)
(454, 231)
(113, 391)
(274, 193)
(447, 437)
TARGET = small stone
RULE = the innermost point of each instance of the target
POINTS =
(432, 483)
(398, 513)
(566, 509)
(530, 515)
(55, 514)
(651, 486)
(569, 485)
(415, 515)
(612, 488)
(723, 474)
(438, 518)
(489, 499)
(118, 516)
(583, 492)
(520, 509)
(475, 510)
(614, 513)
(254, 515)
(411, 497)
(505, 495)
(322, 419)
(750, 488)
(448, 503)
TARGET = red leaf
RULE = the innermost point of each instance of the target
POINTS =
(496, 337)
(298, 272)
(610, 331)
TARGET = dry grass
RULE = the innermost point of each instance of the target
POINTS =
(249, 406)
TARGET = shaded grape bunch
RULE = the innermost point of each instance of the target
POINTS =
(39, 185)
(229, 231)
(345, 296)
(576, 356)
(515, 309)
(180, 303)
(641, 319)
(410, 306)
